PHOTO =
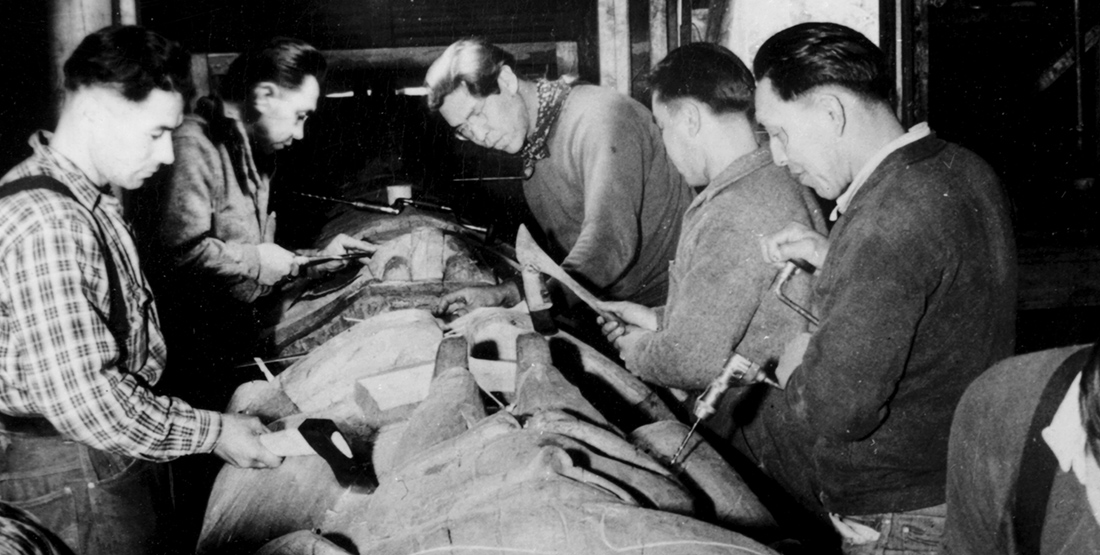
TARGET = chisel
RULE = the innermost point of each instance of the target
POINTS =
(374, 207)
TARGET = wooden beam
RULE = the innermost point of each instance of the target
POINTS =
(1065, 61)
(658, 31)
(567, 58)
(614, 40)
(418, 56)
(717, 13)
(126, 11)
(200, 74)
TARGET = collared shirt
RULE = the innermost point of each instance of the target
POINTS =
(916, 133)
(58, 357)
(1068, 441)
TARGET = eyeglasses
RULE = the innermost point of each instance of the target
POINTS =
(476, 117)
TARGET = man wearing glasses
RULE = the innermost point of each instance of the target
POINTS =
(598, 181)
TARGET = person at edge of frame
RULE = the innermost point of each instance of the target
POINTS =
(80, 338)
(915, 293)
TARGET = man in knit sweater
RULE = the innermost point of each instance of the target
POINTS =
(719, 300)
(915, 292)
(599, 183)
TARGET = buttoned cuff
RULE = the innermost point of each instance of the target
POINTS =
(209, 430)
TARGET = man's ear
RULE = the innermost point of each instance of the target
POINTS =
(692, 117)
(263, 93)
(507, 80)
(834, 111)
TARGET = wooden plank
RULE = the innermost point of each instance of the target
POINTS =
(1066, 61)
(200, 75)
(614, 44)
(658, 31)
(567, 58)
(127, 12)
(418, 56)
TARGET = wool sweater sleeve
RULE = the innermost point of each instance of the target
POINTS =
(720, 287)
(187, 222)
(613, 161)
(873, 301)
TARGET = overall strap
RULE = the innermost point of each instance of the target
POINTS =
(117, 320)
(1038, 465)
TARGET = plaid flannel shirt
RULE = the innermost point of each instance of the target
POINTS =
(58, 357)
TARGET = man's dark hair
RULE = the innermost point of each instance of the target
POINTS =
(283, 61)
(472, 62)
(132, 60)
(705, 72)
(810, 55)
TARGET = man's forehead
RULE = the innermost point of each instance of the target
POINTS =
(458, 103)
(766, 100)
(305, 97)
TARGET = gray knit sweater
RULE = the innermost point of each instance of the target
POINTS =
(719, 298)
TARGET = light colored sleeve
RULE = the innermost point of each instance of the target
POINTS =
(186, 223)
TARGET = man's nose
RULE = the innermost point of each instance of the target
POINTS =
(163, 150)
(300, 131)
(779, 154)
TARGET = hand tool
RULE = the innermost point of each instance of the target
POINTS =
(499, 178)
(321, 436)
(272, 360)
(530, 254)
(785, 276)
(424, 205)
(362, 205)
(322, 259)
(736, 368)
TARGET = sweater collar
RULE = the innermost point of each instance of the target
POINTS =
(916, 133)
(552, 96)
(733, 173)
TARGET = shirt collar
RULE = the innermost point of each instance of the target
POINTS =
(915, 133)
(59, 167)
(1066, 438)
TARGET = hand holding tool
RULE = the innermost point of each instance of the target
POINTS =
(321, 436)
(737, 368)
(529, 253)
(785, 276)
(322, 259)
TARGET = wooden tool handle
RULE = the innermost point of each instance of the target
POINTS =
(529, 253)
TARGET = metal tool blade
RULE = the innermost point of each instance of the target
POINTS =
(528, 252)
(313, 260)
(684, 443)
(374, 207)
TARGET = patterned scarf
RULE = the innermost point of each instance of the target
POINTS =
(552, 95)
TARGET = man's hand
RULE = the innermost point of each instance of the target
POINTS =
(346, 244)
(239, 443)
(276, 263)
(631, 313)
(505, 294)
(795, 241)
(623, 336)
(339, 245)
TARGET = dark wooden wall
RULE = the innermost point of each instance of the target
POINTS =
(221, 26)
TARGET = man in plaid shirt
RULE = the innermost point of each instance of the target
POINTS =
(80, 340)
